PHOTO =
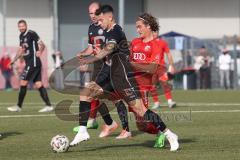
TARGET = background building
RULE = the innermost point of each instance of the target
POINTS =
(63, 24)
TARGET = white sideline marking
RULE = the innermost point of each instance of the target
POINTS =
(163, 112)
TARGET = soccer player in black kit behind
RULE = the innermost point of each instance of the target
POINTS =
(31, 48)
(96, 39)
(116, 56)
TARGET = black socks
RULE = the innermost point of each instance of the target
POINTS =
(84, 112)
(123, 114)
(103, 110)
(44, 95)
(21, 95)
(150, 116)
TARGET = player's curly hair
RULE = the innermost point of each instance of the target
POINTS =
(148, 19)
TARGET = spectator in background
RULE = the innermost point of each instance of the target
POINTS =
(205, 72)
(224, 69)
(6, 70)
(58, 61)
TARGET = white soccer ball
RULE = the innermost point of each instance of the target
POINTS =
(59, 143)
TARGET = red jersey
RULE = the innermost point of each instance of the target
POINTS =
(149, 52)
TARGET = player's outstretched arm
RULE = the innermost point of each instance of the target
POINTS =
(108, 49)
(19, 54)
(171, 67)
(100, 54)
(145, 67)
(86, 52)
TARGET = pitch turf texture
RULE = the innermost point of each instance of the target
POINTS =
(207, 123)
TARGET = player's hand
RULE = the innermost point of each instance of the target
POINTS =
(38, 53)
(97, 50)
(83, 61)
(171, 69)
(88, 60)
(21, 50)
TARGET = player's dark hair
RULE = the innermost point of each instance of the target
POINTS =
(22, 21)
(104, 9)
(148, 19)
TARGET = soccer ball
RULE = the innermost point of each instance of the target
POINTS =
(59, 143)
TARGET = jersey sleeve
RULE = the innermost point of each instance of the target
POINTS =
(131, 51)
(35, 37)
(165, 47)
(115, 36)
(89, 37)
(20, 43)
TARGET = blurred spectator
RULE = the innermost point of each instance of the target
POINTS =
(6, 70)
(58, 61)
(224, 69)
(202, 64)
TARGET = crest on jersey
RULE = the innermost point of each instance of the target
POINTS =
(100, 32)
(25, 39)
(147, 48)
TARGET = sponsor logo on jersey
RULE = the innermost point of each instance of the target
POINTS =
(139, 56)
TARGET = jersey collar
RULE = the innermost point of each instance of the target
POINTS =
(25, 33)
(111, 27)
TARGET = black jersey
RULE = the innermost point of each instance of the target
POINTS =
(120, 66)
(96, 35)
(96, 38)
(117, 36)
(29, 42)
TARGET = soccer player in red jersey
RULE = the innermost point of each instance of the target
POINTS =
(152, 51)
(149, 50)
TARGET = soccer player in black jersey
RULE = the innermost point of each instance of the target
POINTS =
(115, 52)
(96, 39)
(31, 48)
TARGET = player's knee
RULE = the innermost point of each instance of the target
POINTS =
(23, 83)
(85, 98)
(38, 84)
(138, 107)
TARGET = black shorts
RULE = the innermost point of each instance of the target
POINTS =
(126, 87)
(31, 74)
(117, 80)
(97, 66)
(103, 78)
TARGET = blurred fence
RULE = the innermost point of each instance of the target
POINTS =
(184, 57)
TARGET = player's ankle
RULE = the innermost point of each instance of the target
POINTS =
(82, 129)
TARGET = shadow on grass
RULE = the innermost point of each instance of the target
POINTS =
(146, 144)
(9, 134)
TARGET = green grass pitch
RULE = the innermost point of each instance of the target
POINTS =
(207, 123)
